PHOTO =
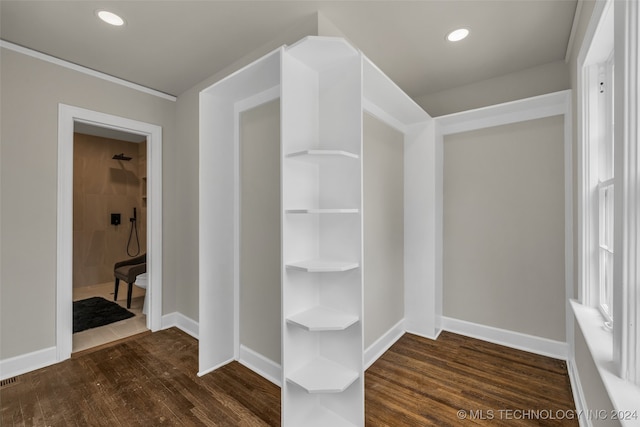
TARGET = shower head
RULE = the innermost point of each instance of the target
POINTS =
(121, 156)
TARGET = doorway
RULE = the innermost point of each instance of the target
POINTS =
(69, 118)
(109, 227)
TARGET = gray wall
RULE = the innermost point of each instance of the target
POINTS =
(31, 91)
(187, 123)
(383, 172)
(547, 78)
(260, 230)
(260, 250)
(504, 227)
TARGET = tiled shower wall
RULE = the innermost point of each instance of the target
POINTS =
(101, 186)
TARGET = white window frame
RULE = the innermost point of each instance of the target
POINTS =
(626, 300)
(605, 189)
(622, 347)
(591, 114)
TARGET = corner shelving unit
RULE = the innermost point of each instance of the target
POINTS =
(322, 335)
(324, 85)
(322, 265)
(322, 211)
(322, 319)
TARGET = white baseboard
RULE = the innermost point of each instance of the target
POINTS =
(382, 344)
(39, 359)
(434, 337)
(266, 367)
(517, 340)
(213, 368)
(259, 364)
(181, 322)
(578, 394)
(27, 362)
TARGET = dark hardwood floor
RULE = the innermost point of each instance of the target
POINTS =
(457, 380)
(151, 380)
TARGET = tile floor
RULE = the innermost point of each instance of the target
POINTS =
(114, 331)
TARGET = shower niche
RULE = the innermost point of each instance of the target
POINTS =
(324, 86)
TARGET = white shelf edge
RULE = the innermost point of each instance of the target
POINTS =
(322, 417)
(323, 376)
(310, 154)
(322, 211)
(318, 319)
(322, 266)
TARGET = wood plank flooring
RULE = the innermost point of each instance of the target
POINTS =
(457, 380)
(151, 380)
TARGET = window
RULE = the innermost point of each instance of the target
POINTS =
(605, 189)
(599, 185)
(609, 194)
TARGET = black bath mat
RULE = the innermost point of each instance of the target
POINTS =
(96, 311)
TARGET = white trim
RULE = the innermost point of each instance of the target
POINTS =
(261, 365)
(624, 395)
(436, 332)
(219, 365)
(423, 230)
(578, 394)
(517, 340)
(84, 70)
(24, 363)
(377, 112)
(537, 107)
(182, 322)
(586, 218)
(67, 116)
(382, 344)
(256, 100)
(597, 15)
(64, 251)
(568, 221)
(572, 34)
(553, 104)
(218, 301)
(239, 107)
(626, 274)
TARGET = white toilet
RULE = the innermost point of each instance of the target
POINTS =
(142, 281)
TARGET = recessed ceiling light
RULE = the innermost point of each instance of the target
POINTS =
(457, 35)
(110, 18)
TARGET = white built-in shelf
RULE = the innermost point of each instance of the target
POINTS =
(318, 155)
(319, 53)
(318, 319)
(322, 417)
(322, 265)
(323, 376)
(322, 211)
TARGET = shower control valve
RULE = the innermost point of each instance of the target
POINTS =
(115, 219)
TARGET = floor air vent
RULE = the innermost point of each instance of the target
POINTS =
(8, 382)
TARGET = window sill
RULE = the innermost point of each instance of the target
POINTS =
(624, 395)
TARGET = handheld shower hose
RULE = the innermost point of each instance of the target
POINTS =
(134, 227)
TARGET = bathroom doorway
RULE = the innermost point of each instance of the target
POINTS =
(109, 227)
(144, 188)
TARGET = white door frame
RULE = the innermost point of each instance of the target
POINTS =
(67, 117)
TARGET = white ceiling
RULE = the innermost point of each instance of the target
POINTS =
(172, 45)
